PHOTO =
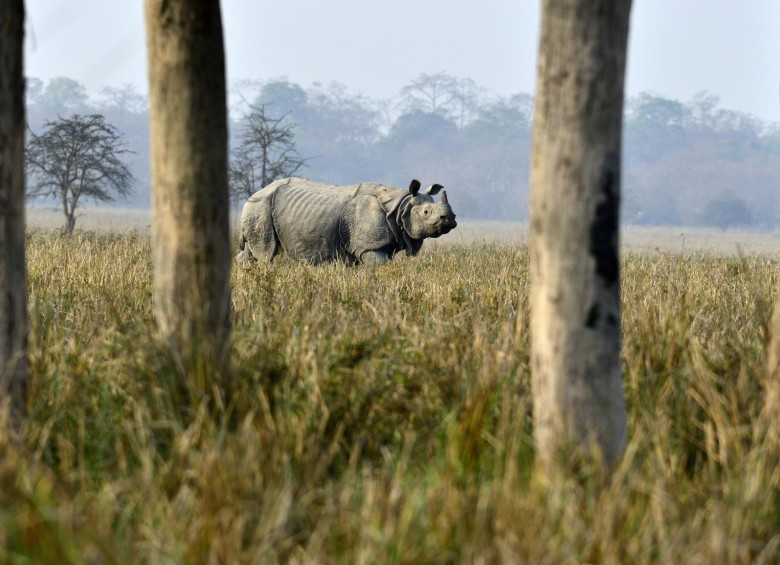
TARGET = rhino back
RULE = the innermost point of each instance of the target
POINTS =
(306, 216)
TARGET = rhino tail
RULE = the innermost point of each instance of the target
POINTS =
(243, 243)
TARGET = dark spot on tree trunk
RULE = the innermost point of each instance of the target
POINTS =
(603, 229)
(593, 316)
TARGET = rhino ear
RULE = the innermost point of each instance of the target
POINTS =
(434, 189)
(414, 188)
(444, 197)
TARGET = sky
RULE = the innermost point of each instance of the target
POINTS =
(677, 48)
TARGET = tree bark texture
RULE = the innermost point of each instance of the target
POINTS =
(13, 293)
(190, 225)
(575, 201)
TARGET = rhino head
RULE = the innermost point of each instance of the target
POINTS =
(423, 217)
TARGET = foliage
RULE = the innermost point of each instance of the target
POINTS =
(429, 93)
(342, 118)
(125, 98)
(77, 158)
(382, 415)
(681, 156)
(282, 98)
(502, 120)
(266, 153)
(726, 212)
(420, 127)
(678, 155)
(338, 130)
(61, 93)
(443, 94)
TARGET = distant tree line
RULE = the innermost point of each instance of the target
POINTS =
(697, 164)
(686, 163)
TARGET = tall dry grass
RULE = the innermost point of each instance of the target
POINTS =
(381, 415)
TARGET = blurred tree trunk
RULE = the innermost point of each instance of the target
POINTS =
(579, 408)
(13, 293)
(190, 229)
(771, 410)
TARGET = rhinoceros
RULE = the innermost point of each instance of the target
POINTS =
(362, 223)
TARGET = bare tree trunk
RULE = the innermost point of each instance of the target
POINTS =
(13, 293)
(70, 215)
(70, 222)
(266, 181)
(579, 406)
(190, 230)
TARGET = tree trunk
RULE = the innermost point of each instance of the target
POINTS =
(69, 213)
(70, 223)
(13, 293)
(190, 231)
(771, 411)
(266, 180)
(579, 408)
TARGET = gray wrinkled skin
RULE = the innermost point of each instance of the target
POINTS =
(362, 223)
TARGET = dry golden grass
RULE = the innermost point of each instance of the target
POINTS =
(381, 415)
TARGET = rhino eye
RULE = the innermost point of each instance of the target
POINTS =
(426, 211)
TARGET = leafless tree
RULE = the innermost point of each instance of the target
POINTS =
(579, 406)
(240, 94)
(190, 229)
(443, 94)
(429, 93)
(75, 159)
(266, 153)
(13, 295)
(465, 99)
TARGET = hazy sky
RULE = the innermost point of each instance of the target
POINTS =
(677, 47)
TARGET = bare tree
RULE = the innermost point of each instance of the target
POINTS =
(429, 93)
(78, 158)
(443, 94)
(240, 92)
(465, 99)
(266, 153)
(190, 229)
(579, 407)
(13, 295)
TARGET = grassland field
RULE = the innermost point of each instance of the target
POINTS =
(383, 414)
(651, 239)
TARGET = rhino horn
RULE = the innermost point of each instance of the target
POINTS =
(434, 189)
(414, 187)
(444, 197)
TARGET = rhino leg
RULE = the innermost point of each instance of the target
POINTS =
(245, 257)
(260, 240)
(374, 257)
